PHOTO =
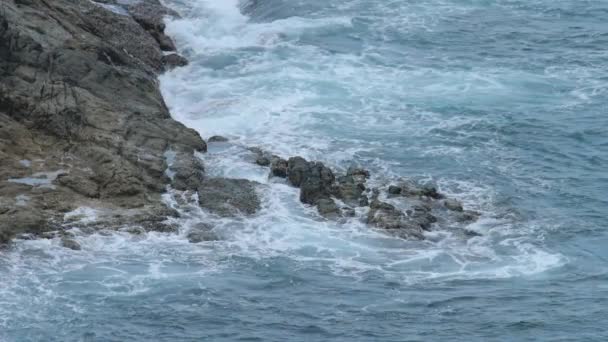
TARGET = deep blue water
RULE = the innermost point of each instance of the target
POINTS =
(502, 103)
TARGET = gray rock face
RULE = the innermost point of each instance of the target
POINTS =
(79, 98)
(229, 197)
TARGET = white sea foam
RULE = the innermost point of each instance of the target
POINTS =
(287, 105)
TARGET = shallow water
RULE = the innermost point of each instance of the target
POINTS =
(502, 103)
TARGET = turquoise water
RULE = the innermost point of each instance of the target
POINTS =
(502, 103)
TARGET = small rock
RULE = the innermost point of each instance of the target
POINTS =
(218, 138)
(357, 171)
(173, 61)
(262, 161)
(134, 230)
(467, 216)
(431, 191)
(394, 190)
(453, 204)
(278, 167)
(70, 243)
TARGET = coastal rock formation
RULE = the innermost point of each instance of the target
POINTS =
(337, 197)
(82, 120)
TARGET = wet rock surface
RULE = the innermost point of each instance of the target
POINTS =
(82, 120)
(229, 197)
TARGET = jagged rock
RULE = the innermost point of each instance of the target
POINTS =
(262, 161)
(298, 168)
(394, 190)
(173, 61)
(431, 191)
(350, 191)
(229, 197)
(316, 183)
(70, 244)
(149, 15)
(385, 216)
(357, 172)
(421, 214)
(453, 204)
(278, 167)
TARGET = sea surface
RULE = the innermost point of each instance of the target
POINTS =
(502, 104)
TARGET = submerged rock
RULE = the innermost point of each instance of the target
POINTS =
(70, 244)
(453, 204)
(229, 197)
(218, 138)
(201, 232)
(385, 216)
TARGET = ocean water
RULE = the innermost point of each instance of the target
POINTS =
(501, 103)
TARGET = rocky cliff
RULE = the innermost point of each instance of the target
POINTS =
(82, 120)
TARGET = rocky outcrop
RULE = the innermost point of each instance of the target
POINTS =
(82, 120)
(338, 197)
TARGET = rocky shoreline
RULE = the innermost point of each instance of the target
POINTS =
(83, 125)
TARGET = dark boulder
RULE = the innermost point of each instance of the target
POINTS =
(394, 190)
(316, 183)
(298, 169)
(278, 167)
